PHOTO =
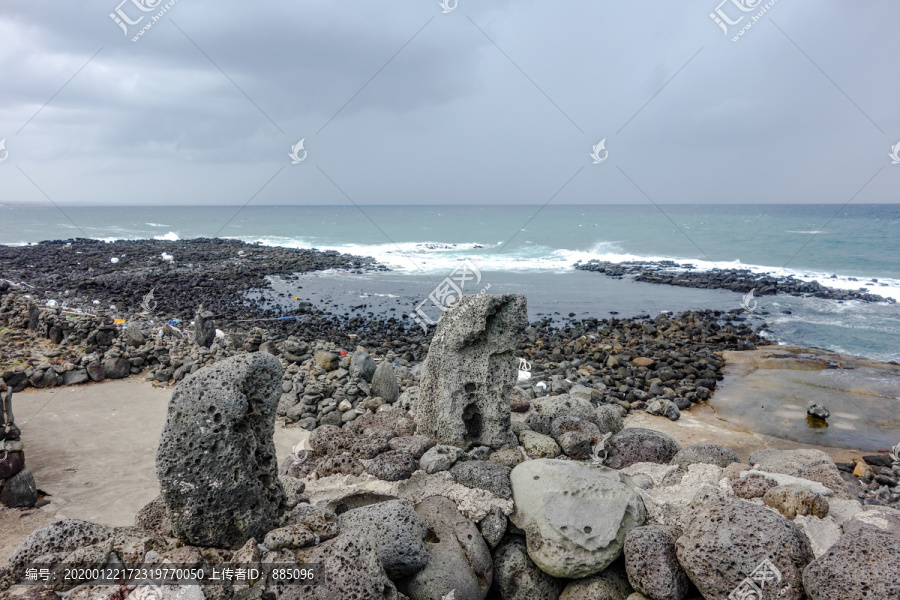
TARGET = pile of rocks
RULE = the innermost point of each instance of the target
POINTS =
(736, 280)
(465, 499)
(17, 485)
(875, 479)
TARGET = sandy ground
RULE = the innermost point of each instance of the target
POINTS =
(92, 449)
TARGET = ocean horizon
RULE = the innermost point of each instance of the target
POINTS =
(532, 249)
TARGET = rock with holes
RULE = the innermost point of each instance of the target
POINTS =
(485, 475)
(516, 577)
(862, 565)
(458, 557)
(394, 530)
(493, 527)
(417, 445)
(470, 371)
(608, 419)
(712, 454)
(351, 569)
(726, 539)
(814, 465)
(611, 584)
(553, 406)
(216, 460)
(393, 465)
(793, 500)
(439, 458)
(635, 444)
(652, 564)
(72, 541)
(575, 515)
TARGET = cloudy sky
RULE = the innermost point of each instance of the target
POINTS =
(489, 103)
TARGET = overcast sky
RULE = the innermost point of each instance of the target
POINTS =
(490, 103)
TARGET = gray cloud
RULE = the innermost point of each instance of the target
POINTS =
(790, 113)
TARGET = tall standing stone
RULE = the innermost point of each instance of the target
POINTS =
(216, 460)
(204, 328)
(384, 382)
(470, 371)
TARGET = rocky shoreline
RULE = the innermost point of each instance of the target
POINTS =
(460, 480)
(735, 280)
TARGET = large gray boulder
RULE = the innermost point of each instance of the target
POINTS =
(470, 371)
(459, 558)
(862, 565)
(516, 577)
(575, 516)
(384, 383)
(216, 460)
(727, 539)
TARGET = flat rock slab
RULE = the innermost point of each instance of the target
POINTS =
(766, 391)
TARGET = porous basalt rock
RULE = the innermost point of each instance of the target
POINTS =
(216, 460)
(470, 371)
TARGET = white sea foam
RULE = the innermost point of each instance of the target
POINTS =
(157, 225)
(443, 258)
(169, 237)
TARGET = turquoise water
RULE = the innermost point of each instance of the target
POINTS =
(532, 249)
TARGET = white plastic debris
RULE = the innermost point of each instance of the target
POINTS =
(51, 303)
(96, 302)
(167, 257)
(220, 334)
(114, 260)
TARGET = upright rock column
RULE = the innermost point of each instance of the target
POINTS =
(17, 486)
(216, 460)
(470, 371)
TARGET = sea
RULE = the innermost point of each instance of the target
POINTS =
(532, 249)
